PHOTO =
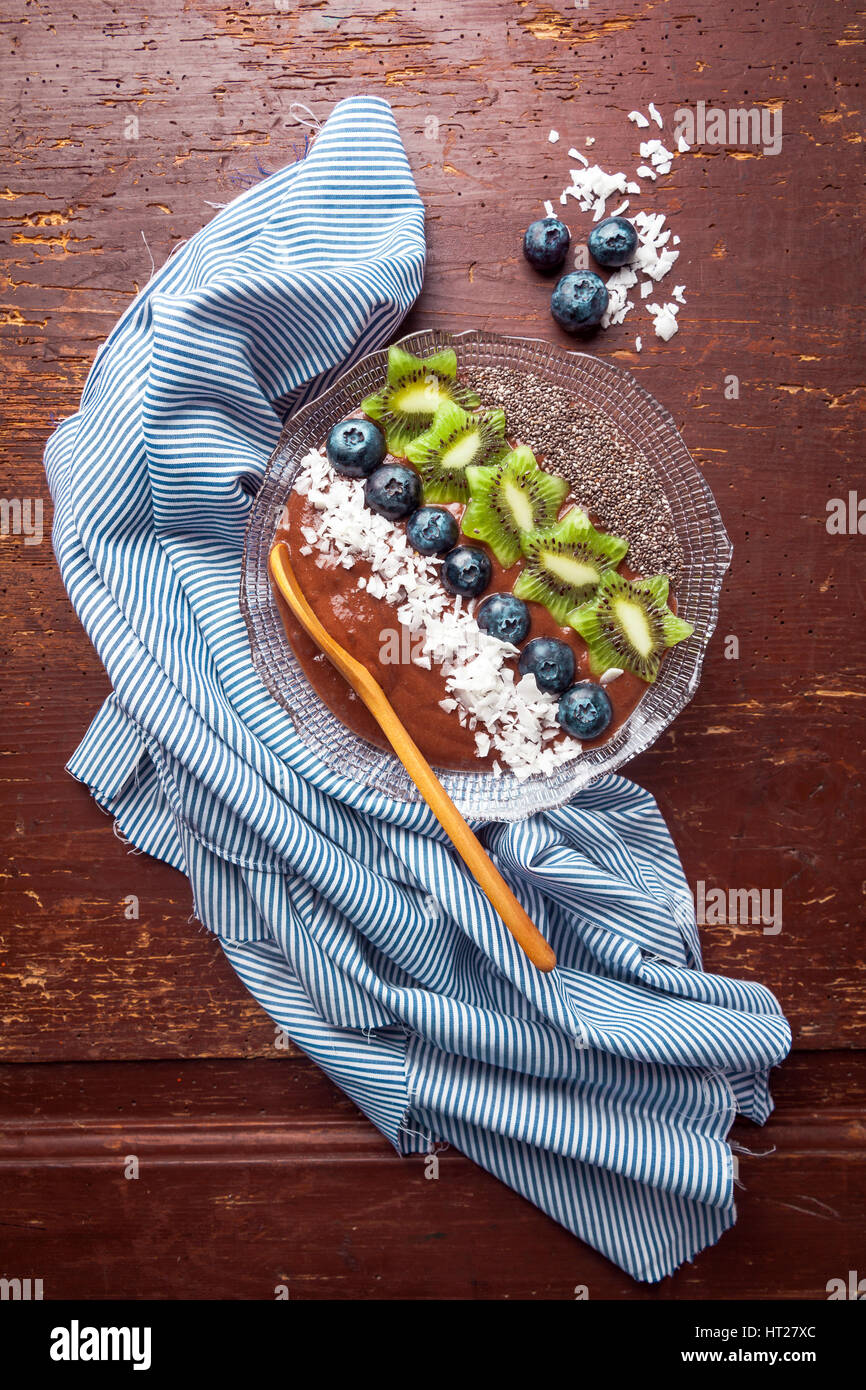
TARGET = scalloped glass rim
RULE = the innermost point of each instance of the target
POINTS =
(645, 424)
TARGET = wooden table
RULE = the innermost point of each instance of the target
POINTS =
(128, 1034)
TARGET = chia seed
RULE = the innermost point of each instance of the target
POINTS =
(618, 487)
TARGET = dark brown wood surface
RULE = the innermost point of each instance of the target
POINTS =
(251, 1176)
(761, 778)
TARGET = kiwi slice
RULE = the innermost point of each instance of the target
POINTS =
(564, 564)
(509, 499)
(454, 440)
(413, 392)
(628, 624)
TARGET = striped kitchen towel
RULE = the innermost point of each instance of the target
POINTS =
(603, 1091)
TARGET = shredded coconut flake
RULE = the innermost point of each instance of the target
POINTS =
(666, 323)
(592, 187)
(513, 717)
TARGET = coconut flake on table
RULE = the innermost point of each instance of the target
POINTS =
(548, 208)
(655, 265)
(553, 137)
(592, 186)
(683, 145)
(618, 303)
(649, 225)
(659, 157)
(516, 718)
(638, 344)
(664, 320)
(666, 325)
(651, 256)
(654, 151)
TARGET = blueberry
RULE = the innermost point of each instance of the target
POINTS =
(585, 710)
(545, 243)
(466, 571)
(550, 661)
(432, 530)
(355, 448)
(505, 617)
(393, 491)
(579, 300)
(613, 241)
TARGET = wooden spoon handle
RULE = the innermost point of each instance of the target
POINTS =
(468, 846)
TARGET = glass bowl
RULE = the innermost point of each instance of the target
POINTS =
(643, 423)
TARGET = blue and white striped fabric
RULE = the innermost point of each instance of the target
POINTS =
(603, 1091)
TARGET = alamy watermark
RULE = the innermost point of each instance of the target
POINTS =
(846, 516)
(77, 1343)
(400, 647)
(431, 1159)
(851, 1289)
(739, 125)
(720, 907)
(21, 1290)
(21, 516)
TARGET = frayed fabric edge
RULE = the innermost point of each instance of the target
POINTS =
(684, 1246)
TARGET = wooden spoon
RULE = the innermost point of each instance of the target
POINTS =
(476, 859)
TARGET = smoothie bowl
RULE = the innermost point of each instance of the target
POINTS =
(516, 543)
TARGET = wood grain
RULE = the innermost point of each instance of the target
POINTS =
(252, 1176)
(761, 778)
